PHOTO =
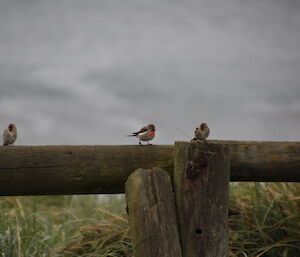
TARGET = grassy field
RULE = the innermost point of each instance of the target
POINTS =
(69, 226)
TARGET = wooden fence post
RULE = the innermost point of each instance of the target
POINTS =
(152, 217)
(201, 184)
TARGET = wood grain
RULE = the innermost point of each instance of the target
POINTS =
(42, 170)
(151, 211)
(48, 170)
(201, 185)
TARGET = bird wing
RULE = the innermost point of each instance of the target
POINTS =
(143, 129)
(134, 134)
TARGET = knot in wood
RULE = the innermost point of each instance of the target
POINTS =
(195, 166)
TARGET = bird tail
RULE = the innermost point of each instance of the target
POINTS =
(134, 134)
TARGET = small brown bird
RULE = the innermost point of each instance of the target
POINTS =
(146, 133)
(10, 134)
(202, 132)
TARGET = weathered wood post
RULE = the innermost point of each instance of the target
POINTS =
(201, 184)
(152, 217)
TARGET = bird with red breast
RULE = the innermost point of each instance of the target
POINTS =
(145, 134)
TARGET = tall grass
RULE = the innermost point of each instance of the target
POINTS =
(269, 224)
(69, 226)
(46, 225)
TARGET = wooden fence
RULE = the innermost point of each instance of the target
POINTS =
(179, 208)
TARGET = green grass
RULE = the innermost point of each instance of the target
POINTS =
(55, 225)
(69, 226)
(270, 222)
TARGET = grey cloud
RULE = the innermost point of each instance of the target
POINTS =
(89, 72)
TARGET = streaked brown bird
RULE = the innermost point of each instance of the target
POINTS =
(10, 134)
(202, 132)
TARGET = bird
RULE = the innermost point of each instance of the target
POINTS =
(202, 132)
(10, 134)
(146, 133)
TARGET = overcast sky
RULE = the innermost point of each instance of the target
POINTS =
(92, 71)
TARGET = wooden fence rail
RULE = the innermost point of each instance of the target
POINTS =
(50, 170)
